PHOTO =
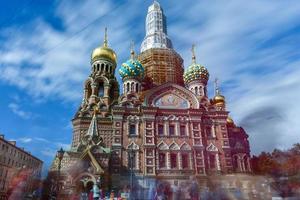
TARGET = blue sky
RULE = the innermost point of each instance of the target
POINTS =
(45, 46)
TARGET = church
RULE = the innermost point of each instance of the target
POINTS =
(158, 124)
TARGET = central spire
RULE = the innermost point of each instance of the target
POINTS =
(156, 29)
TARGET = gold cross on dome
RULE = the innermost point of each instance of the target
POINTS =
(132, 49)
(193, 53)
(105, 37)
(216, 86)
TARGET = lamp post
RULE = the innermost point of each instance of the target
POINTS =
(60, 155)
(131, 170)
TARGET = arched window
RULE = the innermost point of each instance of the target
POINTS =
(161, 160)
(184, 161)
(102, 67)
(101, 90)
(136, 87)
(128, 87)
(246, 164)
(106, 67)
(112, 90)
(212, 161)
(196, 90)
(132, 87)
(173, 159)
(235, 163)
(89, 91)
(201, 91)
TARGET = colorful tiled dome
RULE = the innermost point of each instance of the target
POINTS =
(132, 68)
(196, 72)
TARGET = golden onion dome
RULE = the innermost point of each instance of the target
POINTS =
(219, 100)
(104, 52)
(229, 120)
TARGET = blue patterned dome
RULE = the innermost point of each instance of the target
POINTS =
(132, 68)
(196, 72)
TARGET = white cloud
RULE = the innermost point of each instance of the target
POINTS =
(41, 139)
(15, 108)
(25, 140)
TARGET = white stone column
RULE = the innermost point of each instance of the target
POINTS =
(243, 165)
(203, 162)
(249, 165)
(218, 162)
(137, 128)
(157, 159)
(168, 160)
(239, 164)
(213, 132)
(191, 160)
(187, 129)
(94, 86)
(137, 159)
(106, 90)
(179, 160)
(166, 127)
(177, 128)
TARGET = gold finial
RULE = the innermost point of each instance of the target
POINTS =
(105, 38)
(216, 87)
(193, 54)
(96, 109)
(132, 49)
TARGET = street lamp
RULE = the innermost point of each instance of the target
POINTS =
(60, 155)
(131, 169)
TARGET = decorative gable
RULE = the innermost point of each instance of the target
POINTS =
(212, 147)
(171, 101)
(133, 146)
(171, 96)
(163, 146)
(185, 147)
(174, 146)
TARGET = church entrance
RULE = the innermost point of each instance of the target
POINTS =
(84, 185)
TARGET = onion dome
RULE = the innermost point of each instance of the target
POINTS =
(104, 52)
(218, 99)
(195, 71)
(229, 120)
(132, 68)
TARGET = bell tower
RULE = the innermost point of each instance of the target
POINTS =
(101, 89)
